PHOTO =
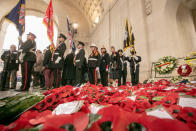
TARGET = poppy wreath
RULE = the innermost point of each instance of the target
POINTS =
(165, 65)
(184, 70)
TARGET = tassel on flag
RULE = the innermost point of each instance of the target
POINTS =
(17, 16)
(48, 21)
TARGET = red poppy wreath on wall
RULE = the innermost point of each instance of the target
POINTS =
(184, 70)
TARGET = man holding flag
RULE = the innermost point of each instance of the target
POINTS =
(27, 59)
(53, 59)
(27, 48)
(129, 42)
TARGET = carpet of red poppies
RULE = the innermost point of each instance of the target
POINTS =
(120, 110)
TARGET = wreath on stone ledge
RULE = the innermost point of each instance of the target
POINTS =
(184, 70)
(165, 65)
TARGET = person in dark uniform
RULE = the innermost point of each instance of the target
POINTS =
(58, 60)
(93, 64)
(114, 61)
(48, 69)
(27, 59)
(134, 67)
(85, 71)
(79, 62)
(104, 66)
(69, 70)
(10, 68)
(122, 68)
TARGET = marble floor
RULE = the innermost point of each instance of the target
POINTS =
(12, 92)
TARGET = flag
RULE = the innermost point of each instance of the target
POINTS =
(127, 38)
(72, 44)
(17, 16)
(48, 21)
(132, 39)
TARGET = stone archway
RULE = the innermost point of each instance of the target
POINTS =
(29, 12)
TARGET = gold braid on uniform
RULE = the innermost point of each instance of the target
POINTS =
(95, 53)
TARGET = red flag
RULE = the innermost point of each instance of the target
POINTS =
(48, 21)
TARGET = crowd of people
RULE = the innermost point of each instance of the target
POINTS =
(51, 69)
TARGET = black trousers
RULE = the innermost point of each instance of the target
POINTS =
(91, 75)
(57, 78)
(5, 79)
(26, 68)
(78, 76)
(122, 75)
(104, 77)
(134, 75)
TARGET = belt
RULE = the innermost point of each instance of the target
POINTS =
(92, 59)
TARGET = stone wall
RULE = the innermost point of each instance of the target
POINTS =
(163, 27)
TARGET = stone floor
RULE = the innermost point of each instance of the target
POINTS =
(12, 92)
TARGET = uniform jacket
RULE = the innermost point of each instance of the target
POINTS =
(10, 60)
(123, 63)
(104, 62)
(29, 48)
(58, 56)
(134, 61)
(94, 60)
(80, 57)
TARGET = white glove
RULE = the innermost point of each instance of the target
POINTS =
(125, 54)
(57, 60)
(19, 38)
(20, 50)
(21, 57)
(136, 58)
(97, 68)
(106, 70)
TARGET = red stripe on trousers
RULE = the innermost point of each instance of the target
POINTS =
(25, 76)
(95, 77)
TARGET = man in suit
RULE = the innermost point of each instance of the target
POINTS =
(104, 66)
(134, 67)
(10, 68)
(27, 59)
(79, 62)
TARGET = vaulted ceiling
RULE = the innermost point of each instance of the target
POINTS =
(92, 9)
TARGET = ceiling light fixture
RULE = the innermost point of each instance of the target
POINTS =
(75, 25)
(97, 20)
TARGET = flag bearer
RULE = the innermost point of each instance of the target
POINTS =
(27, 59)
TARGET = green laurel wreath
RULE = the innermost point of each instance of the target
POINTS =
(169, 62)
